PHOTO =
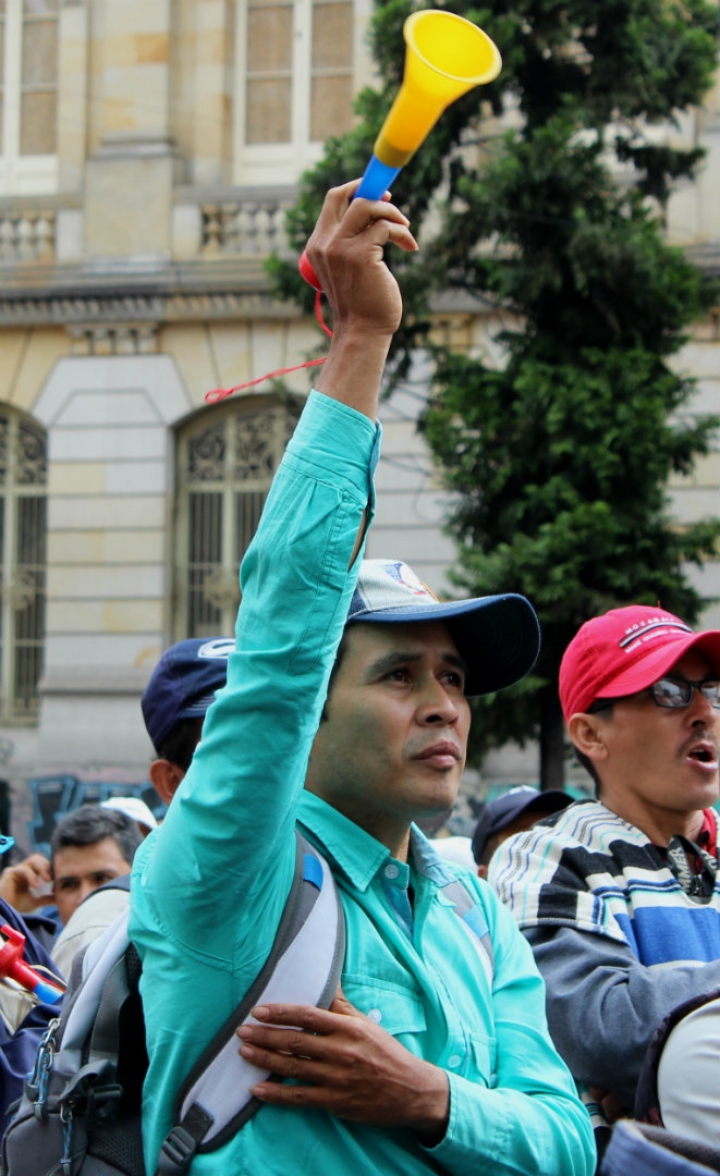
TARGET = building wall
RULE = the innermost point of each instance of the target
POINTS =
(131, 283)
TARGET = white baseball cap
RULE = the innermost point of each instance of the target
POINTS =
(134, 808)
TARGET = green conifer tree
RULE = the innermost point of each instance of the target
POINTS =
(560, 459)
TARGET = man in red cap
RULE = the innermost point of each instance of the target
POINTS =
(619, 896)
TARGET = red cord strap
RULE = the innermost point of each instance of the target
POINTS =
(218, 394)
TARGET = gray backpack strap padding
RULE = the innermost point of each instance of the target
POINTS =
(98, 962)
(72, 1098)
(303, 967)
(472, 919)
(105, 1037)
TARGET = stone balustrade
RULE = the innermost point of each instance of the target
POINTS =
(27, 236)
(241, 226)
(252, 228)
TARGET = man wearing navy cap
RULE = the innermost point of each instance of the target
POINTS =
(513, 812)
(346, 711)
(181, 688)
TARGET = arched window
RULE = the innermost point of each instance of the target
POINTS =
(226, 462)
(23, 527)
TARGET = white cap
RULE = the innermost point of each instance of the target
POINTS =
(134, 808)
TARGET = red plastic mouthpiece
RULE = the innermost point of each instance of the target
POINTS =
(308, 272)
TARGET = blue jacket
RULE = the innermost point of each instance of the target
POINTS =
(18, 1049)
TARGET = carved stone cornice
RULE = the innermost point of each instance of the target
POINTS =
(706, 256)
(165, 292)
(222, 288)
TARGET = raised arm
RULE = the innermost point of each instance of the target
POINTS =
(346, 250)
(229, 829)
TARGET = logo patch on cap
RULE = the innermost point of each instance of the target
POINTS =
(219, 647)
(639, 633)
(404, 575)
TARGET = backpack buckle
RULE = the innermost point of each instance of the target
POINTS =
(102, 1101)
(176, 1153)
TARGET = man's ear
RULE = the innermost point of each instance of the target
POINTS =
(586, 733)
(165, 778)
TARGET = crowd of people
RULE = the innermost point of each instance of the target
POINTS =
(487, 1018)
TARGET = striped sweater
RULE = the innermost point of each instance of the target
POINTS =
(587, 869)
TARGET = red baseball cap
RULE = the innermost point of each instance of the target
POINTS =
(625, 651)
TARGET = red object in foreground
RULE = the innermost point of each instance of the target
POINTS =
(220, 393)
(12, 966)
(308, 272)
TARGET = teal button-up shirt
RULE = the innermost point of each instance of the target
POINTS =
(210, 886)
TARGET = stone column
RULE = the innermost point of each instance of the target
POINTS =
(110, 426)
(214, 51)
(130, 177)
(72, 95)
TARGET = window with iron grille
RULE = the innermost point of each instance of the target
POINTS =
(23, 526)
(226, 462)
(28, 91)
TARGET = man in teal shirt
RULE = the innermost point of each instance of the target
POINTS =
(426, 1061)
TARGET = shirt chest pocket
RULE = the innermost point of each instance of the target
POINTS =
(482, 1058)
(394, 1007)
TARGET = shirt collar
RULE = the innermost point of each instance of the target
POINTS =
(356, 853)
(426, 859)
(353, 851)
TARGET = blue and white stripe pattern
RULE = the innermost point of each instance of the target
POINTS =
(588, 869)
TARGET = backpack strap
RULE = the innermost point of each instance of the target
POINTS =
(122, 882)
(82, 1004)
(105, 1036)
(473, 920)
(303, 967)
(94, 995)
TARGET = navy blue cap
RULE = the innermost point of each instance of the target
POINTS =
(498, 637)
(500, 812)
(183, 683)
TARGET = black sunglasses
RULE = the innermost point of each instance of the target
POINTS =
(670, 693)
(677, 693)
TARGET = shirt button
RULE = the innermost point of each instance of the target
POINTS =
(375, 1015)
(454, 1061)
(391, 871)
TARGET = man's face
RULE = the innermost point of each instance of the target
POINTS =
(661, 763)
(392, 746)
(80, 869)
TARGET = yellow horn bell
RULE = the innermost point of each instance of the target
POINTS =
(445, 57)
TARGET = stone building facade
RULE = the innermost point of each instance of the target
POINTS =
(148, 150)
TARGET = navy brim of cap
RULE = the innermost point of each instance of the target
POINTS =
(497, 636)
